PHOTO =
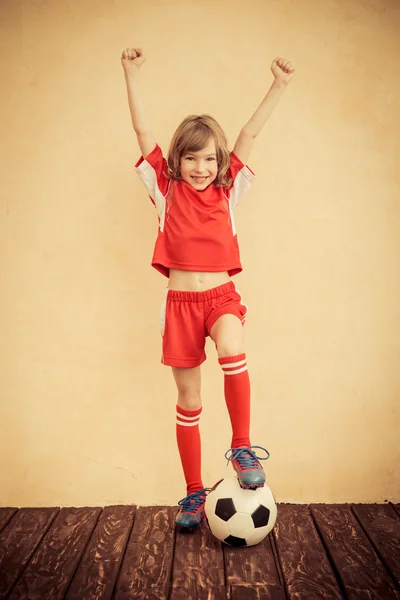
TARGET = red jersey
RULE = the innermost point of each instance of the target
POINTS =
(196, 228)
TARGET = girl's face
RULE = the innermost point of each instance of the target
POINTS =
(199, 169)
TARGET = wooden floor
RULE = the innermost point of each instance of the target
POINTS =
(121, 552)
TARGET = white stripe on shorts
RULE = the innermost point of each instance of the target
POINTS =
(242, 303)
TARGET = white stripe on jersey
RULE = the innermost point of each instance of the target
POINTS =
(149, 177)
(241, 184)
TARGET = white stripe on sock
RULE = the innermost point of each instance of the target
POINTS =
(187, 424)
(178, 414)
(235, 372)
(239, 363)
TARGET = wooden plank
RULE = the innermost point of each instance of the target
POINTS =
(98, 569)
(396, 508)
(305, 566)
(51, 569)
(6, 514)
(18, 542)
(362, 574)
(252, 565)
(198, 570)
(276, 558)
(257, 592)
(382, 526)
(146, 568)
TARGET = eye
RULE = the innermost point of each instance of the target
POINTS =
(189, 158)
(210, 158)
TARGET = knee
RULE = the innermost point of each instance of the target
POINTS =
(189, 400)
(230, 349)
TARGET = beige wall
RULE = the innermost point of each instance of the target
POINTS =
(87, 410)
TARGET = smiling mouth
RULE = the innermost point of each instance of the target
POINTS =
(199, 179)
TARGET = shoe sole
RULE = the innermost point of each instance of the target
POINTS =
(251, 486)
(185, 529)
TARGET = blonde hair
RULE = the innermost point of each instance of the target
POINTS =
(193, 135)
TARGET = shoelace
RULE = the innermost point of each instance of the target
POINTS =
(246, 457)
(192, 502)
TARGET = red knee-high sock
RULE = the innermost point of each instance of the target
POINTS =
(189, 444)
(237, 397)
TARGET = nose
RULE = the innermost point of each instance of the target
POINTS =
(200, 168)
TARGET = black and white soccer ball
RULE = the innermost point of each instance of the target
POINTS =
(240, 517)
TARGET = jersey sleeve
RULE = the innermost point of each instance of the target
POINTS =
(242, 177)
(152, 171)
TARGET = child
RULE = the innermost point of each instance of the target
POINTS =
(195, 192)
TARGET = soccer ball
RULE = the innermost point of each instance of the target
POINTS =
(240, 517)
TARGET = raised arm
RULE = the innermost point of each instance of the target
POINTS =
(131, 60)
(283, 72)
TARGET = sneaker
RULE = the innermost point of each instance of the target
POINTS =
(192, 511)
(247, 466)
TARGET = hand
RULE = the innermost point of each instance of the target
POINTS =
(132, 58)
(282, 70)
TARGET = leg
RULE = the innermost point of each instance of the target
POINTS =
(188, 382)
(183, 351)
(183, 340)
(188, 412)
(227, 334)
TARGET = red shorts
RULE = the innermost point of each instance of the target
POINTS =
(186, 320)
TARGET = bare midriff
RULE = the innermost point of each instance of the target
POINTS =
(195, 281)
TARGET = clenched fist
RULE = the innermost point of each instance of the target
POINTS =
(132, 58)
(282, 69)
